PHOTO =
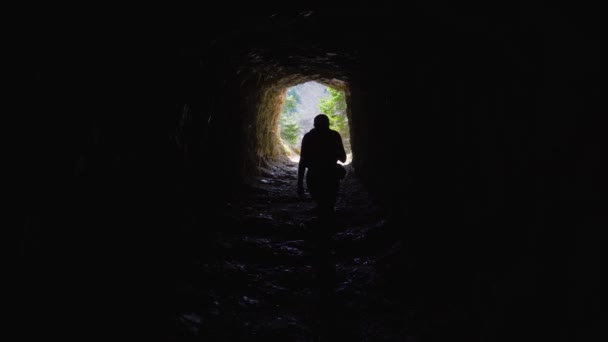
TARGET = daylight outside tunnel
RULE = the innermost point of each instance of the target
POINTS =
(302, 103)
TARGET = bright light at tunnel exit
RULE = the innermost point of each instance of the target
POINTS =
(302, 103)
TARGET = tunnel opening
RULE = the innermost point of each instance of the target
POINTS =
(302, 103)
(273, 111)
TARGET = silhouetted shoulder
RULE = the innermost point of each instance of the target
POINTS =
(335, 134)
(306, 137)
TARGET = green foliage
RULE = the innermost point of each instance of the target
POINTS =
(289, 131)
(289, 107)
(334, 106)
(287, 122)
(294, 94)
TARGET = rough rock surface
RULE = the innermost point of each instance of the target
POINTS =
(273, 270)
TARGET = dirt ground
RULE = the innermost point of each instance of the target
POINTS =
(271, 270)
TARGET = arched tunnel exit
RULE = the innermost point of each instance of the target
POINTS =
(303, 102)
(158, 202)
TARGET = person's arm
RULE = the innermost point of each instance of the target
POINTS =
(341, 151)
(302, 166)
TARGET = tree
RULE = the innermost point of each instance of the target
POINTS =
(287, 122)
(334, 106)
(289, 131)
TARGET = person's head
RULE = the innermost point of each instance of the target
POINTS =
(321, 122)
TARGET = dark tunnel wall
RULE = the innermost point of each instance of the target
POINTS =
(478, 128)
(478, 147)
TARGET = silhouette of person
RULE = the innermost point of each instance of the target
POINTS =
(321, 149)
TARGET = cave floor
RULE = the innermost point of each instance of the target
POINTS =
(273, 271)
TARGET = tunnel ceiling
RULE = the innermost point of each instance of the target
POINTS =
(303, 45)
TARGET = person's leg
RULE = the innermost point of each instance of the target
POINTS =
(314, 189)
(327, 198)
(323, 190)
(332, 192)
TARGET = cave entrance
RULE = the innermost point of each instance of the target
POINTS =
(302, 103)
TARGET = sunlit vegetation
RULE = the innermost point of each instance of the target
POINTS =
(290, 129)
(334, 106)
(302, 103)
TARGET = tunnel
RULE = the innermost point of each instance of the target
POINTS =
(155, 201)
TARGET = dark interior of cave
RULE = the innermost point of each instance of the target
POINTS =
(154, 201)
